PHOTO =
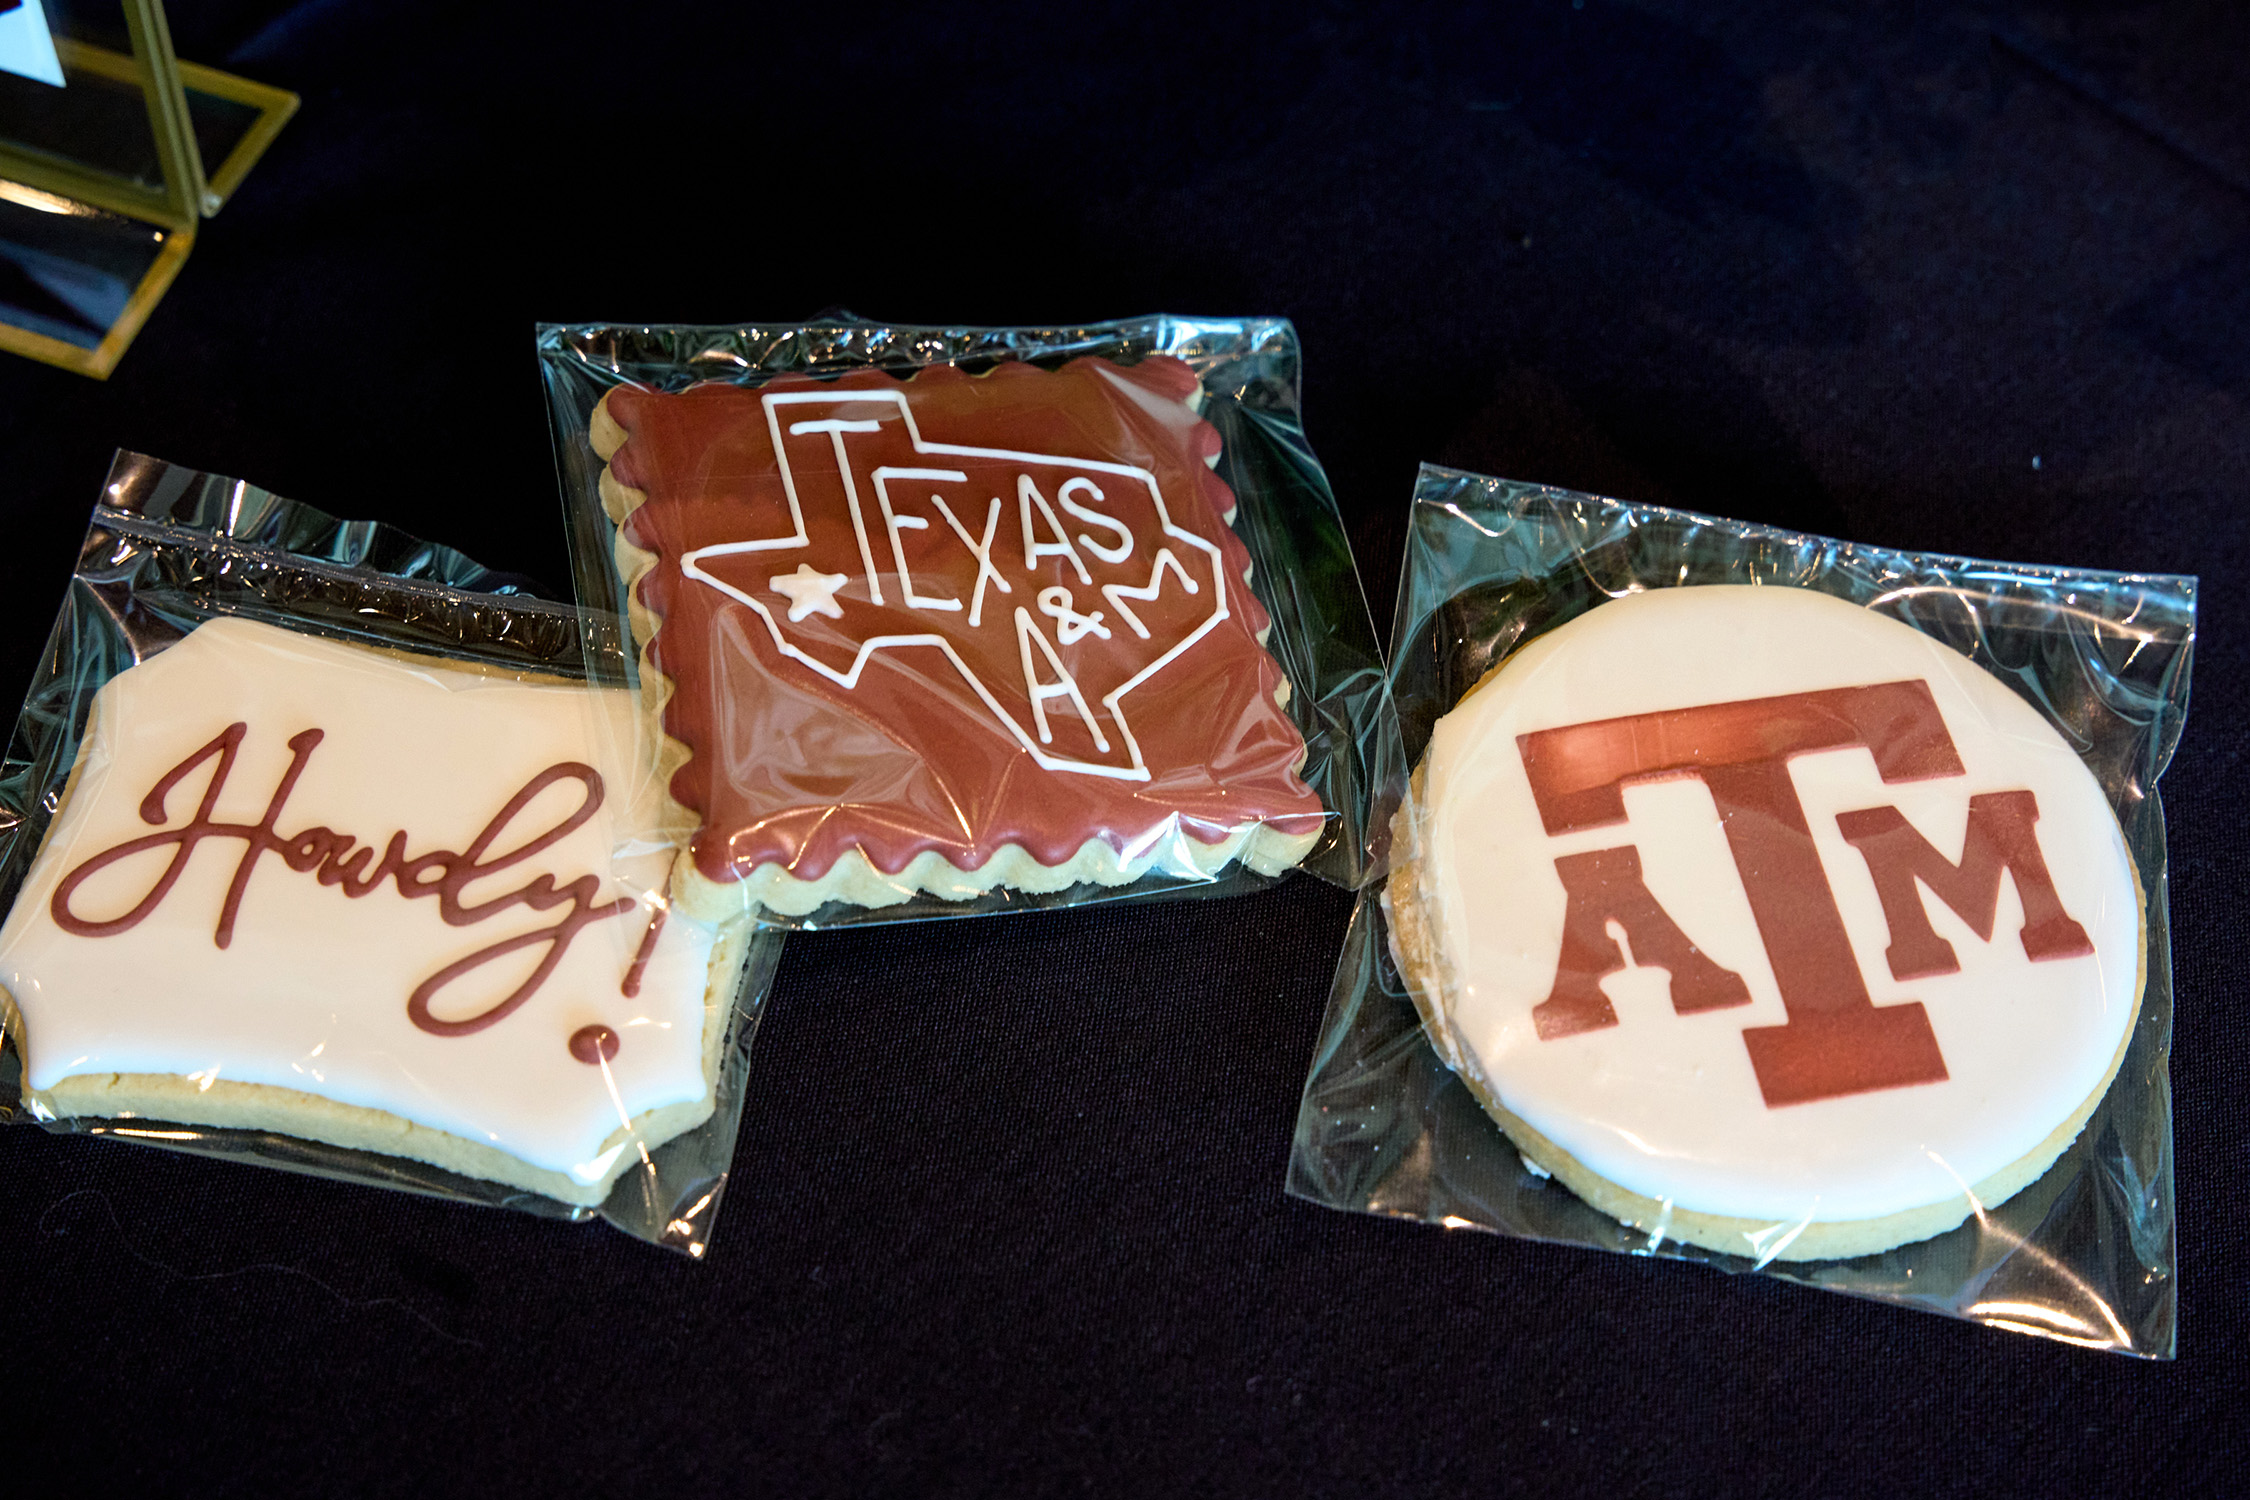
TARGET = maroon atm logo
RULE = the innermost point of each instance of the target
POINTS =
(1837, 1041)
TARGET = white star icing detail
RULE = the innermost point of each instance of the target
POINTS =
(810, 592)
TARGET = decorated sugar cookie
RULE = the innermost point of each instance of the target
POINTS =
(375, 900)
(1766, 922)
(949, 634)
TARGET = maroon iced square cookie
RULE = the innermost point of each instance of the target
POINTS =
(950, 634)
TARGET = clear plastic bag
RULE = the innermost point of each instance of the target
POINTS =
(427, 964)
(1510, 589)
(942, 621)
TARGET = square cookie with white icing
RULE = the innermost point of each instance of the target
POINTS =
(387, 902)
(948, 635)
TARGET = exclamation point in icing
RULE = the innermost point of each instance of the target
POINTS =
(593, 1045)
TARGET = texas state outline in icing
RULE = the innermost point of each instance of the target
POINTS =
(953, 616)
(340, 893)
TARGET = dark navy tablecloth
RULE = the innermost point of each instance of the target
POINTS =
(1007, 1213)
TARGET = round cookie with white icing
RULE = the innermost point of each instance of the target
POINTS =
(1766, 922)
(382, 901)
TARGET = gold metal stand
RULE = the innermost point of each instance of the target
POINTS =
(117, 198)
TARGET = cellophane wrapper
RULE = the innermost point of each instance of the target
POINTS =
(1285, 533)
(2086, 1253)
(170, 548)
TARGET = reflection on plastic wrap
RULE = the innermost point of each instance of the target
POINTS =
(1775, 903)
(952, 621)
(320, 854)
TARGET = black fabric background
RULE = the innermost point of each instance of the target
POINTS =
(1007, 1214)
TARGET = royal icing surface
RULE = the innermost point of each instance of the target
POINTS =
(953, 614)
(1762, 904)
(428, 892)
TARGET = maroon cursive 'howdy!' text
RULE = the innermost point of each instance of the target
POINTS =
(338, 859)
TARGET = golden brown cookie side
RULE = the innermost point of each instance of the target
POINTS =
(167, 1099)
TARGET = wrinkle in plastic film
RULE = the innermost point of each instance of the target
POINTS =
(169, 549)
(2086, 1253)
(1023, 485)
